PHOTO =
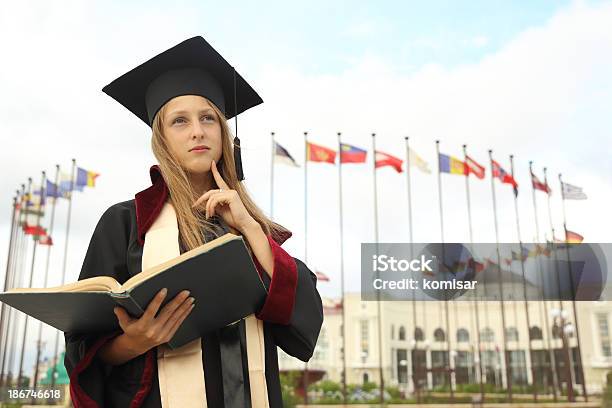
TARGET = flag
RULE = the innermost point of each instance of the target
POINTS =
(517, 257)
(475, 265)
(503, 176)
(450, 164)
(321, 277)
(571, 192)
(352, 154)
(45, 240)
(418, 162)
(35, 230)
(472, 167)
(52, 190)
(34, 199)
(66, 185)
(573, 237)
(384, 159)
(86, 178)
(318, 153)
(539, 185)
(281, 155)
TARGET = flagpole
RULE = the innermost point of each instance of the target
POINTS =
(272, 177)
(546, 323)
(305, 376)
(415, 380)
(476, 311)
(566, 356)
(526, 304)
(9, 261)
(572, 283)
(342, 268)
(379, 320)
(68, 218)
(34, 237)
(449, 376)
(501, 290)
(13, 317)
(50, 234)
(25, 329)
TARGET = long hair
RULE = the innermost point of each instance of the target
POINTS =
(192, 223)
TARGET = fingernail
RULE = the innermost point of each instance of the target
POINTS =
(186, 292)
(164, 291)
(192, 300)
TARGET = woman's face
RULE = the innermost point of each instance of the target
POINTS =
(193, 132)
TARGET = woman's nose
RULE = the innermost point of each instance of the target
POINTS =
(197, 130)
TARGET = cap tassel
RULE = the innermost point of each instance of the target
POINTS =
(238, 159)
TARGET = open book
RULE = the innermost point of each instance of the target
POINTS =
(220, 275)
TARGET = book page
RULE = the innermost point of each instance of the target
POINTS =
(95, 284)
(146, 274)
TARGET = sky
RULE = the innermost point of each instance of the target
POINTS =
(525, 78)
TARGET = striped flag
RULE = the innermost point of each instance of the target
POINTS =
(504, 176)
(571, 192)
(317, 153)
(472, 167)
(321, 277)
(281, 155)
(85, 178)
(418, 162)
(451, 165)
(352, 154)
(385, 159)
(539, 185)
(573, 237)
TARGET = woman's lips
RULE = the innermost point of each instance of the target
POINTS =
(199, 149)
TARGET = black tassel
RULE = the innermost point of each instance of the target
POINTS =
(238, 159)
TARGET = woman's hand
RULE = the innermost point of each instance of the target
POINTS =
(149, 331)
(226, 202)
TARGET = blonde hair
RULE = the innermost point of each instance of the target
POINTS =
(192, 222)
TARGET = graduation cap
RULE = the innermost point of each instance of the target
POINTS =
(192, 67)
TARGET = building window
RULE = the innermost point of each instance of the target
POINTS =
(535, 333)
(439, 335)
(512, 334)
(366, 378)
(463, 336)
(418, 334)
(364, 336)
(402, 333)
(604, 334)
(487, 335)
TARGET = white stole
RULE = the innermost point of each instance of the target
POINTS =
(181, 371)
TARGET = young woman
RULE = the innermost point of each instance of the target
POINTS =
(186, 94)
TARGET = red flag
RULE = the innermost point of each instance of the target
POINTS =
(573, 237)
(384, 159)
(317, 153)
(34, 230)
(539, 185)
(321, 277)
(472, 167)
(503, 176)
(475, 265)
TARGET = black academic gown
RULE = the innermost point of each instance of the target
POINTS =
(292, 316)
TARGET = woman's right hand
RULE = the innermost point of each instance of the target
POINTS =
(149, 331)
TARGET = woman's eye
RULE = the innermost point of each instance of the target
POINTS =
(207, 117)
(178, 120)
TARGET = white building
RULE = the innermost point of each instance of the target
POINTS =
(421, 352)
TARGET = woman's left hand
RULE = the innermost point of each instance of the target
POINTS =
(225, 202)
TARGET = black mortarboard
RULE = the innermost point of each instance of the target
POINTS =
(192, 67)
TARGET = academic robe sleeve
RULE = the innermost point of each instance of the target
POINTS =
(293, 304)
(106, 255)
